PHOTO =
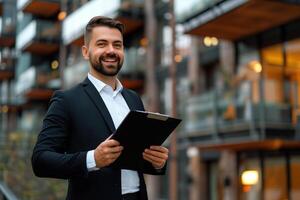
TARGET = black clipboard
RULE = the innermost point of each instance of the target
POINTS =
(138, 131)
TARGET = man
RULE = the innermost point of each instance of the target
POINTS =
(73, 143)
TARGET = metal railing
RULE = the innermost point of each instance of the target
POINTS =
(40, 30)
(229, 110)
(6, 193)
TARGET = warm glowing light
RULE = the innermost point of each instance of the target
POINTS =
(207, 41)
(256, 66)
(250, 177)
(178, 58)
(62, 15)
(54, 64)
(214, 41)
(210, 41)
(192, 152)
(4, 109)
(144, 42)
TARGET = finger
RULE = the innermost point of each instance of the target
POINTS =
(160, 149)
(153, 158)
(111, 150)
(111, 143)
(157, 164)
(156, 153)
(110, 156)
(116, 149)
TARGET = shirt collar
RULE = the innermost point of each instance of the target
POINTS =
(101, 86)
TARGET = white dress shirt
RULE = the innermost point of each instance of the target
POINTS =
(118, 109)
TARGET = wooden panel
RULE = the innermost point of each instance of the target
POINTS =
(42, 8)
(1, 8)
(39, 94)
(4, 75)
(79, 41)
(41, 48)
(131, 24)
(250, 18)
(7, 41)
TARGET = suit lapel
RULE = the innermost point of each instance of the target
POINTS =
(129, 100)
(99, 103)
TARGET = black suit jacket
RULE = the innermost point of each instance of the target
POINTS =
(78, 121)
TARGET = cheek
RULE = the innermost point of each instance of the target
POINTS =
(121, 55)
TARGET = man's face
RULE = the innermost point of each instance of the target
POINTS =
(105, 50)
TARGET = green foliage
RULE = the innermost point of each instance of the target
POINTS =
(16, 171)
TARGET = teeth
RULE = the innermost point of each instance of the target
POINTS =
(107, 60)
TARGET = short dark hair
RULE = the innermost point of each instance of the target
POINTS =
(101, 21)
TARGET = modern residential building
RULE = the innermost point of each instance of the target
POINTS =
(240, 138)
(237, 88)
(7, 60)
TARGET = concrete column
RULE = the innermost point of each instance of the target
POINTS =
(228, 176)
(195, 73)
(197, 172)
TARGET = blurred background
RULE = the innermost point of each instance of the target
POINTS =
(229, 68)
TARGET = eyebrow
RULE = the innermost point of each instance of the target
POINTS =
(103, 40)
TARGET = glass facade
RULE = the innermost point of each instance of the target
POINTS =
(277, 175)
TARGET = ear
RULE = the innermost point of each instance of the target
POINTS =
(85, 52)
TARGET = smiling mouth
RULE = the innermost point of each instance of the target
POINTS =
(110, 60)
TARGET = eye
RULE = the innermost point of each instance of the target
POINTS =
(118, 46)
(101, 44)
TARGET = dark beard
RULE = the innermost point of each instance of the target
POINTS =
(101, 69)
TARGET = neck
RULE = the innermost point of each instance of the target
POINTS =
(109, 80)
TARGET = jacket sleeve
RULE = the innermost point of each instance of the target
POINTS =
(49, 158)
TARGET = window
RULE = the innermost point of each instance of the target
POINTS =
(275, 178)
(295, 174)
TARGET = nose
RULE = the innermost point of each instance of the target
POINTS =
(110, 48)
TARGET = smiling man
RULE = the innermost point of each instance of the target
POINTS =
(73, 143)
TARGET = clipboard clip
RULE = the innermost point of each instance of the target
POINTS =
(157, 116)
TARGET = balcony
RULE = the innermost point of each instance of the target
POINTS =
(1, 7)
(132, 75)
(233, 20)
(6, 72)
(43, 8)
(131, 14)
(240, 113)
(39, 37)
(7, 24)
(128, 12)
(37, 85)
(7, 65)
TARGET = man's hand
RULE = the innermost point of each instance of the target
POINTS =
(157, 156)
(107, 152)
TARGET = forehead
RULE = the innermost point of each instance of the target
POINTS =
(106, 33)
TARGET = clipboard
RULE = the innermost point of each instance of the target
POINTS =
(138, 131)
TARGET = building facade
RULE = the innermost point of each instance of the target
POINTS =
(240, 138)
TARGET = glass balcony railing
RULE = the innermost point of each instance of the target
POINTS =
(132, 73)
(134, 56)
(8, 24)
(186, 9)
(36, 83)
(240, 109)
(73, 25)
(40, 37)
(7, 65)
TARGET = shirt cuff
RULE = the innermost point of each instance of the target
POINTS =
(90, 161)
